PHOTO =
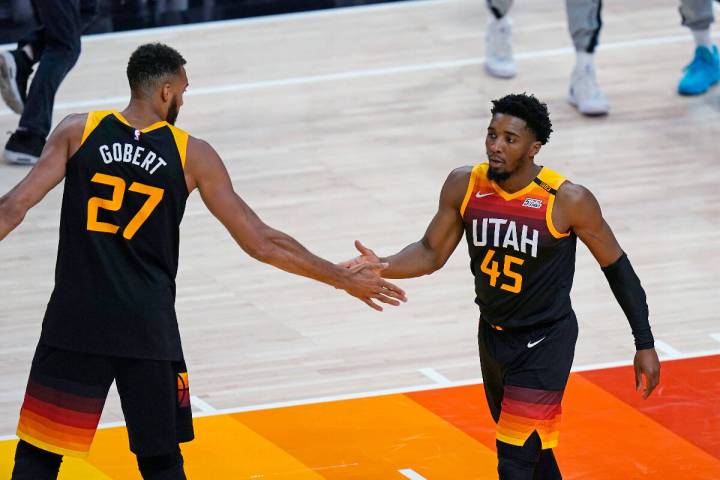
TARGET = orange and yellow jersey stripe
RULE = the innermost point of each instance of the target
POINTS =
(523, 266)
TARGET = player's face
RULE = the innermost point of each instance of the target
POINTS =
(179, 85)
(508, 145)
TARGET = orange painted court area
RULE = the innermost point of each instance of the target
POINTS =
(607, 432)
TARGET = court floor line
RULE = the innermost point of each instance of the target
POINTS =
(202, 404)
(435, 376)
(391, 391)
(411, 474)
(368, 73)
(667, 351)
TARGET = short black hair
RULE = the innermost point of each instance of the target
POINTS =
(151, 64)
(528, 108)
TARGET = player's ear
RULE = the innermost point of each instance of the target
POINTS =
(534, 148)
(166, 93)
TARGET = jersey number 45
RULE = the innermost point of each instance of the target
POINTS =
(492, 268)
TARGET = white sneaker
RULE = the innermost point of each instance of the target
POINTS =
(9, 87)
(585, 93)
(498, 48)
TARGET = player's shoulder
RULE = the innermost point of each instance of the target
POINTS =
(198, 148)
(201, 155)
(74, 121)
(460, 176)
(455, 186)
(70, 128)
(574, 196)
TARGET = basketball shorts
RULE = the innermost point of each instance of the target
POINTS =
(66, 393)
(525, 372)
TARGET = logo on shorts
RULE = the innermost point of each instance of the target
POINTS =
(532, 203)
(183, 390)
(532, 344)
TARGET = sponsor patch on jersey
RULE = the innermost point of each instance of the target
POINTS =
(532, 203)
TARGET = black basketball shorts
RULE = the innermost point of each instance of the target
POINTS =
(66, 393)
(525, 372)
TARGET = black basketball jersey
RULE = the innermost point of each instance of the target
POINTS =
(523, 266)
(123, 201)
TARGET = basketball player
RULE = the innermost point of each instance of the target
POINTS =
(111, 314)
(521, 221)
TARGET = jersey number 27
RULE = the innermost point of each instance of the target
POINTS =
(154, 194)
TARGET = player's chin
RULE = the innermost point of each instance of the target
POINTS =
(497, 166)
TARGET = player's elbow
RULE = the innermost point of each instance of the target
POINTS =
(433, 260)
(264, 247)
(260, 251)
(12, 211)
(435, 263)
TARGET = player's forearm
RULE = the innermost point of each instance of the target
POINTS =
(11, 215)
(629, 293)
(286, 253)
(415, 260)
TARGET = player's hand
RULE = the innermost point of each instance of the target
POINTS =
(646, 363)
(365, 283)
(366, 256)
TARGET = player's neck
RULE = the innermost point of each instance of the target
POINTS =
(141, 113)
(520, 178)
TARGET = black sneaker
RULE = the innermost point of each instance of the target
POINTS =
(24, 148)
(15, 69)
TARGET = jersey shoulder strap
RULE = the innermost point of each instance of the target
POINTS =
(478, 172)
(93, 120)
(551, 181)
(181, 141)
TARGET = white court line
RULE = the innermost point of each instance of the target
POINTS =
(715, 336)
(201, 404)
(354, 74)
(435, 376)
(394, 391)
(667, 349)
(411, 474)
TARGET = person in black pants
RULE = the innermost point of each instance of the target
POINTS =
(55, 45)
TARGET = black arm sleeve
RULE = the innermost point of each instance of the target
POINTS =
(626, 287)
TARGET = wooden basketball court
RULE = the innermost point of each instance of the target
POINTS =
(344, 124)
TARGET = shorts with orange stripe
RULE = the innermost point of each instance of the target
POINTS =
(66, 393)
(525, 372)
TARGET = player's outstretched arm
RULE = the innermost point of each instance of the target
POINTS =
(432, 251)
(206, 172)
(48, 172)
(578, 210)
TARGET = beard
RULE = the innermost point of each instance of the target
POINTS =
(497, 176)
(173, 111)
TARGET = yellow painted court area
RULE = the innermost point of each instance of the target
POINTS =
(446, 433)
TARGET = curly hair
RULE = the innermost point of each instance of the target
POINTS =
(150, 64)
(528, 108)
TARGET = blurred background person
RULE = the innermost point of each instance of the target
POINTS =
(55, 47)
(584, 23)
(704, 69)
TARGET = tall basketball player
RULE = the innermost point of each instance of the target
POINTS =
(521, 221)
(111, 314)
